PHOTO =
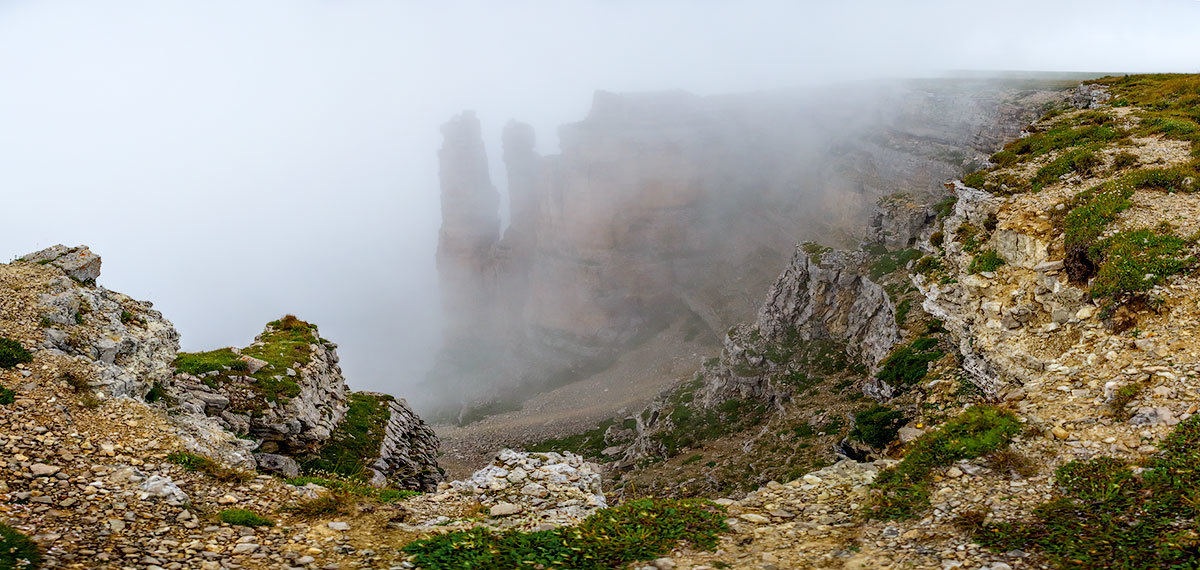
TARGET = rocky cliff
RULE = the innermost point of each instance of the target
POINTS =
(665, 206)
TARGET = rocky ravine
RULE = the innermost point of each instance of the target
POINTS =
(667, 206)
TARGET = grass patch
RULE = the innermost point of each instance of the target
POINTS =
(1093, 210)
(1133, 262)
(1083, 160)
(286, 344)
(987, 260)
(892, 261)
(201, 464)
(815, 250)
(355, 442)
(243, 517)
(17, 551)
(197, 363)
(1105, 516)
(588, 444)
(611, 538)
(908, 364)
(902, 491)
(352, 486)
(12, 353)
(878, 426)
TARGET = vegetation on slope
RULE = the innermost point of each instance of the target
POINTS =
(286, 345)
(17, 551)
(12, 353)
(356, 440)
(1107, 515)
(610, 538)
(902, 492)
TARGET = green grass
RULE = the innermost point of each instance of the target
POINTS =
(17, 551)
(197, 363)
(890, 262)
(611, 538)
(355, 442)
(12, 353)
(1093, 210)
(909, 364)
(588, 444)
(287, 345)
(352, 486)
(945, 207)
(243, 517)
(902, 491)
(877, 426)
(1082, 160)
(1103, 516)
(815, 250)
(986, 260)
(1132, 262)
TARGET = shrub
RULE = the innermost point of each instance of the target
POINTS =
(878, 426)
(199, 463)
(902, 491)
(908, 364)
(326, 504)
(974, 179)
(1122, 398)
(156, 393)
(928, 264)
(243, 517)
(987, 260)
(12, 353)
(945, 207)
(1083, 161)
(17, 551)
(611, 538)
(7, 396)
(1123, 160)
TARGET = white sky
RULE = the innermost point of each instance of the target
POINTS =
(236, 160)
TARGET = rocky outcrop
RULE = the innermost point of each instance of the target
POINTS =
(127, 345)
(79, 263)
(822, 300)
(408, 456)
(898, 221)
(986, 314)
(663, 206)
(290, 409)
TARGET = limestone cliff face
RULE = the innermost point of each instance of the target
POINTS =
(821, 299)
(663, 206)
(128, 345)
(408, 454)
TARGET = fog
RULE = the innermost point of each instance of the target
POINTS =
(236, 161)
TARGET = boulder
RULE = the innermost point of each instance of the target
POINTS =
(79, 263)
(277, 464)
